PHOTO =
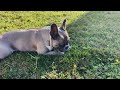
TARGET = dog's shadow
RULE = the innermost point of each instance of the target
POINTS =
(31, 65)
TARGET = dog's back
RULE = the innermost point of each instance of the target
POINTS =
(26, 40)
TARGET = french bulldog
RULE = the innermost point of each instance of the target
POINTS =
(52, 40)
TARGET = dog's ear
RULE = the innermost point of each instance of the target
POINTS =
(63, 26)
(54, 31)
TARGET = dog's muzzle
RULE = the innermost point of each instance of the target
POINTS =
(65, 48)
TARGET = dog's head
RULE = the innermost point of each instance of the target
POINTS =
(60, 37)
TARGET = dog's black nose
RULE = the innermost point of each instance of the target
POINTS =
(66, 47)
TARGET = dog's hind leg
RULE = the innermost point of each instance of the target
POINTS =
(0, 36)
(5, 49)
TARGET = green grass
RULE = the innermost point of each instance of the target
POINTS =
(95, 40)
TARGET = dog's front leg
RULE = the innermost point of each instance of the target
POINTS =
(54, 53)
(42, 51)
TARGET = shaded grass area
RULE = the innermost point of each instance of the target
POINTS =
(94, 53)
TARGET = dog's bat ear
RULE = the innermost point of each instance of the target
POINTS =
(54, 31)
(63, 26)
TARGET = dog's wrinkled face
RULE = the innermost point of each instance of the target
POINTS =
(60, 37)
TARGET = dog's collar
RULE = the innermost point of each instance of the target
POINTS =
(50, 44)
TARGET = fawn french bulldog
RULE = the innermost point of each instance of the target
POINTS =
(50, 40)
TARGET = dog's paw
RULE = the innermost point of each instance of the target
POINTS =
(49, 48)
(61, 53)
(54, 53)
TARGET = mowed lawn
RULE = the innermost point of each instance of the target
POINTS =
(95, 40)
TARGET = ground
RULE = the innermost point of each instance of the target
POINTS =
(95, 40)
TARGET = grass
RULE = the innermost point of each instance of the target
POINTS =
(94, 39)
